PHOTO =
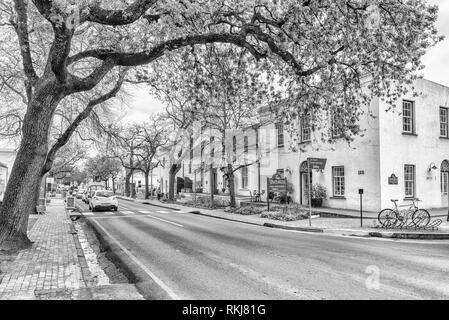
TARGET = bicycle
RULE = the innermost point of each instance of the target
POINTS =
(390, 218)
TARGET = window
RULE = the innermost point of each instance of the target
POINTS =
(409, 180)
(444, 182)
(280, 134)
(337, 123)
(244, 177)
(234, 148)
(338, 178)
(444, 131)
(212, 149)
(408, 115)
(203, 144)
(305, 129)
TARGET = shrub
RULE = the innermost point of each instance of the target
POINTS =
(284, 216)
(248, 211)
(204, 202)
(318, 191)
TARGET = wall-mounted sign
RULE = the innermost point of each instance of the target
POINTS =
(317, 164)
(393, 180)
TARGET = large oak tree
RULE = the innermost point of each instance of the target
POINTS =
(314, 47)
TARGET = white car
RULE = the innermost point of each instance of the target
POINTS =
(103, 199)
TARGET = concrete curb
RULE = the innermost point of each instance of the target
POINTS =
(344, 232)
(146, 286)
(414, 236)
(304, 229)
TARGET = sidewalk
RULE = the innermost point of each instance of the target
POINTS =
(55, 267)
(344, 222)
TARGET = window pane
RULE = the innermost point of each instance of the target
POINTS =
(305, 129)
(408, 114)
(409, 180)
(280, 132)
(338, 177)
(444, 122)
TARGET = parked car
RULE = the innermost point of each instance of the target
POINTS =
(79, 194)
(103, 199)
(85, 197)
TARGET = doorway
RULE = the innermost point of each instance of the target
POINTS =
(214, 181)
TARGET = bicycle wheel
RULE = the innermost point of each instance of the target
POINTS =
(421, 218)
(387, 218)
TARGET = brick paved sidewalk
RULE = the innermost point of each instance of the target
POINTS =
(54, 267)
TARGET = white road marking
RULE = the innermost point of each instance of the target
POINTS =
(173, 223)
(162, 211)
(88, 214)
(128, 212)
(140, 264)
(145, 212)
(109, 213)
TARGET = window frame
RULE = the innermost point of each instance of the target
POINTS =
(305, 123)
(212, 147)
(446, 123)
(337, 115)
(413, 181)
(412, 117)
(444, 182)
(342, 182)
(280, 135)
(245, 179)
(245, 145)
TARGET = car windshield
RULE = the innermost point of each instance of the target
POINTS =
(104, 194)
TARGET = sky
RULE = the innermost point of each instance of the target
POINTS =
(142, 104)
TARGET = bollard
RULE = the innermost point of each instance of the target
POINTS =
(361, 191)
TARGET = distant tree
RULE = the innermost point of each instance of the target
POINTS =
(124, 142)
(152, 138)
(222, 90)
(103, 168)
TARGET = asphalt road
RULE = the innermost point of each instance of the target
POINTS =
(197, 257)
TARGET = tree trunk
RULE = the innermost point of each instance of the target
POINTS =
(171, 182)
(113, 185)
(26, 172)
(211, 185)
(231, 186)
(147, 185)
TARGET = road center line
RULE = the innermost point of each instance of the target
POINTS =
(176, 224)
(140, 264)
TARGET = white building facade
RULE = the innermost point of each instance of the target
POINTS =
(7, 157)
(402, 154)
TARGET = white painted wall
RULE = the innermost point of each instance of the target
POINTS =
(421, 150)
